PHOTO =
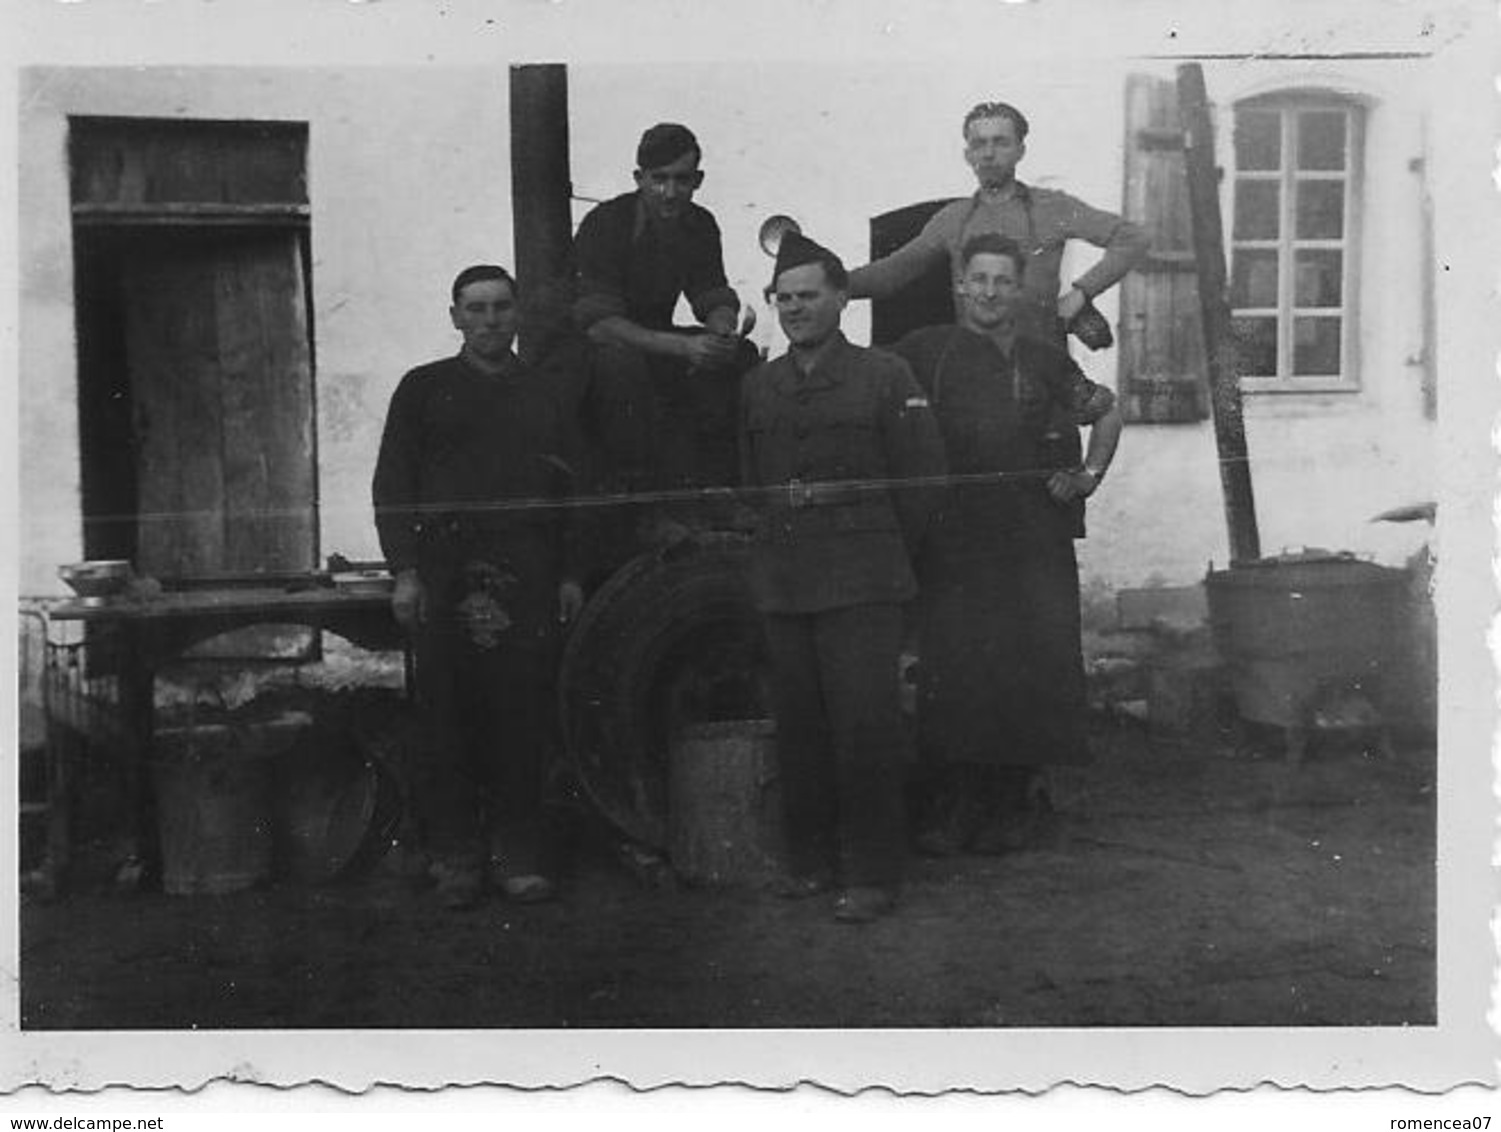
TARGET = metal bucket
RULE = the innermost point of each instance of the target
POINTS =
(725, 821)
(1294, 627)
(215, 785)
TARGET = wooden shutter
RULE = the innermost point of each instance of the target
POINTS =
(1163, 369)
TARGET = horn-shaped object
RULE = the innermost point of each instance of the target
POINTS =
(1428, 512)
(772, 231)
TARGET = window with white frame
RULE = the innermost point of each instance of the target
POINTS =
(1294, 212)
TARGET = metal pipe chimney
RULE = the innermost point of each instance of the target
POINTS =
(541, 191)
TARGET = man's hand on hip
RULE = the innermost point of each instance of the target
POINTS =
(1080, 483)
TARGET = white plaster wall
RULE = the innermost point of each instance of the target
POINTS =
(409, 179)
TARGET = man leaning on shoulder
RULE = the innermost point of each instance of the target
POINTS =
(1042, 221)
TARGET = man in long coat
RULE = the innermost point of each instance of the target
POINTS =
(1001, 690)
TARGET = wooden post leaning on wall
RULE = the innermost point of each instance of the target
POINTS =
(1219, 342)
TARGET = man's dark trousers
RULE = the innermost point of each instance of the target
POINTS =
(493, 718)
(840, 741)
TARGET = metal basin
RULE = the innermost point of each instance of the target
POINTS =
(1296, 628)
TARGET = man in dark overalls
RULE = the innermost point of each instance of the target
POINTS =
(485, 574)
(1042, 221)
(663, 396)
(831, 434)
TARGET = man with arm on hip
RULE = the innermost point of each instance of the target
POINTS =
(1002, 694)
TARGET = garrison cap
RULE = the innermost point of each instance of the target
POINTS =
(796, 250)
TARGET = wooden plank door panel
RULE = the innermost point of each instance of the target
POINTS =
(221, 377)
(171, 346)
(265, 386)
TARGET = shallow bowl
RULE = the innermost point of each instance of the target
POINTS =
(104, 577)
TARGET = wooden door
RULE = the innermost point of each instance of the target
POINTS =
(217, 349)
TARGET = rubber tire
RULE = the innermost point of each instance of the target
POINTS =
(664, 618)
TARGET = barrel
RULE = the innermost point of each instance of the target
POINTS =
(724, 821)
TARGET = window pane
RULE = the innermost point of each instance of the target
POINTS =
(1258, 139)
(1256, 346)
(1321, 139)
(1253, 279)
(1316, 347)
(1256, 210)
(1316, 278)
(1321, 210)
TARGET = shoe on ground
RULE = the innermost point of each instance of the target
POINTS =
(803, 885)
(516, 869)
(457, 885)
(1003, 834)
(1029, 825)
(955, 821)
(938, 842)
(860, 904)
(528, 888)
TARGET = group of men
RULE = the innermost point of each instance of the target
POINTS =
(925, 494)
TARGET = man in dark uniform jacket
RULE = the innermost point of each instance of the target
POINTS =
(829, 432)
(664, 396)
(484, 574)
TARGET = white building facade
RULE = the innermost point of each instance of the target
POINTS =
(1333, 248)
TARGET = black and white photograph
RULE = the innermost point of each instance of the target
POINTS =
(891, 545)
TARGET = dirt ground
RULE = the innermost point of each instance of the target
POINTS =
(1186, 885)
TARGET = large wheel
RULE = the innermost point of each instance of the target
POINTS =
(669, 641)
